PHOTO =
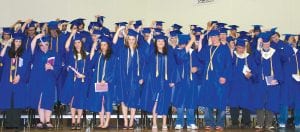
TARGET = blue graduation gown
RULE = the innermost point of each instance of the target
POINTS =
(267, 97)
(131, 71)
(241, 88)
(213, 94)
(76, 88)
(87, 40)
(291, 84)
(186, 92)
(156, 88)
(94, 100)
(41, 82)
(7, 88)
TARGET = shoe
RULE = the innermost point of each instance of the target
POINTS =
(40, 125)
(208, 128)
(165, 128)
(281, 125)
(271, 128)
(258, 127)
(192, 126)
(178, 127)
(78, 127)
(219, 128)
(73, 127)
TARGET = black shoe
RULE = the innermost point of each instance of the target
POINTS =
(73, 127)
(78, 127)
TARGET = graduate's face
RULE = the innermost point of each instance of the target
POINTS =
(160, 43)
(78, 45)
(292, 40)
(44, 47)
(18, 43)
(223, 36)
(131, 40)
(266, 45)
(95, 37)
(215, 40)
(173, 40)
(6, 36)
(31, 31)
(53, 33)
(64, 27)
(103, 47)
(231, 44)
(146, 36)
(275, 38)
(240, 49)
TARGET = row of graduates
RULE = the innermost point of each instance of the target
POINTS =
(146, 70)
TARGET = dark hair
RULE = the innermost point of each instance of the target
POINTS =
(57, 31)
(12, 52)
(165, 49)
(82, 52)
(108, 52)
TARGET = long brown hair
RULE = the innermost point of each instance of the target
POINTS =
(165, 49)
(82, 52)
(127, 44)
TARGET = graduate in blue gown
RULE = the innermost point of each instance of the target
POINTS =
(289, 90)
(42, 79)
(102, 68)
(131, 59)
(266, 99)
(12, 86)
(29, 29)
(6, 40)
(159, 81)
(186, 92)
(239, 93)
(74, 92)
(217, 73)
(57, 43)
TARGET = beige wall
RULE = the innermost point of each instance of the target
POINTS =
(281, 13)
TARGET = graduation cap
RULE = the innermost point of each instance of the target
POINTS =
(93, 24)
(80, 20)
(97, 32)
(240, 42)
(159, 23)
(287, 36)
(194, 26)
(77, 37)
(137, 23)
(158, 37)
(41, 24)
(257, 27)
(63, 21)
(173, 33)
(75, 23)
(233, 27)
(221, 25)
(105, 39)
(18, 36)
(100, 19)
(223, 30)
(273, 31)
(213, 22)
(31, 24)
(133, 33)
(121, 24)
(157, 30)
(43, 40)
(213, 33)
(176, 26)
(229, 39)
(53, 25)
(7, 30)
(183, 38)
(146, 30)
(266, 36)
(198, 29)
(178, 31)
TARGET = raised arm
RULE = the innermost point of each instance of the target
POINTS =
(3, 51)
(33, 42)
(190, 43)
(120, 30)
(25, 24)
(68, 42)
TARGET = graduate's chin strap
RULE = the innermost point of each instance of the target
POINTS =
(138, 61)
(166, 66)
(103, 71)
(210, 64)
